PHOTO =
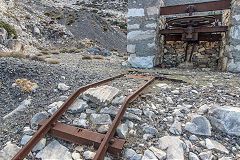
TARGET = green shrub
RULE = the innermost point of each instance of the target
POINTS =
(10, 29)
(58, 17)
(70, 21)
(47, 14)
(105, 28)
(87, 57)
(63, 50)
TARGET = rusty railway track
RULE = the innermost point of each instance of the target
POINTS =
(104, 142)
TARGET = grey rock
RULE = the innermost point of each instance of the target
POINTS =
(176, 128)
(161, 155)
(63, 87)
(169, 100)
(199, 125)
(88, 155)
(23, 105)
(118, 100)
(78, 106)
(226, 119)
(214, 145)
(147, 136)
(81, 123)
(103, 129)
(132, 155)
(150, 129)
(3, 35)
(97, 51)
(206, 155)
(102, 95)
(9, 151)
(100, 119)
(192, 156)
(203, 109)
(122, 131)
(63, 98)
(193, 138)
(40, 145)
(113, 112)
(54, 150)
(130, 124)
(148, 113)
(36, 31)
(149, 155)
(174, 147)
(89, 111)
(56, 104)
(163, 85)
(135, 111)
(37, 118)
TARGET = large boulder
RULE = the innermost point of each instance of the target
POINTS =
(226, 119)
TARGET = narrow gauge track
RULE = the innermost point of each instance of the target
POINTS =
(104, 142)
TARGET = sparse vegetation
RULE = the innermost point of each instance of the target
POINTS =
(63, 50)
(13, 54)
(47, 14)
(86, 57)
(70, 21)
(98, 57)
(105, 28)
(58, 17)
(25, 85)
(10, 29)
(52, 61)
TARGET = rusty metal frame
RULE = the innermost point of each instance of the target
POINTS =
(200, 7)
(51, 122)
(82, 136)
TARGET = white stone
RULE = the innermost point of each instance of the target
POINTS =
(163, 85)
(63, 87)
(151, 26)
(131, 48)
(237, 17)
(141, 62)
(122, 131)
(176, 128)
(9, 151)
(234, 66)
(211, 144)
(76, 155)
(54, 150)
(206, 155)
(161, 155)
(152, 11)
(236, 32)
(133, 26)
(102, 95)
(88, 155)
(174, 147)
(141, 35)
(134, 12)
(149, 155)
(192, 156)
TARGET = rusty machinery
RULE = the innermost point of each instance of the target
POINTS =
(192, 29)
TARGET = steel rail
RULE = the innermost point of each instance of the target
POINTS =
(43, 130)
(105, 143)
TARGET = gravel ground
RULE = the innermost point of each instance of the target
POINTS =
(158, 107)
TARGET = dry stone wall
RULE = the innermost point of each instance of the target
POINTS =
(233, 47)
(142, 32)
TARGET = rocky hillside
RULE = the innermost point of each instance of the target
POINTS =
(48, 24)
